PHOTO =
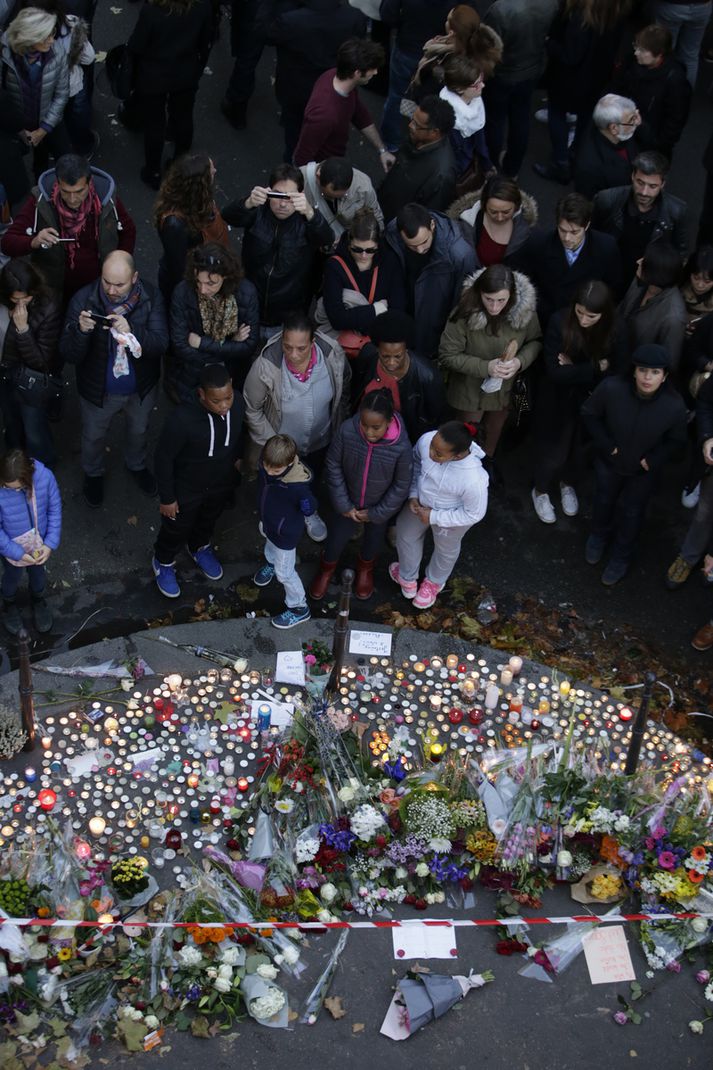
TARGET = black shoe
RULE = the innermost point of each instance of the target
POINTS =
(42, 615)
(144, 480)
(11, 618)
(614, 571)
(128, 117)
(93, 491)
(150, 178)
(594, 549)
(554, 172)
(235, 112)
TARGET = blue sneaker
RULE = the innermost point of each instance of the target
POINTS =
(291, 617)
(166, 579)
(207, 562)
(264, 575)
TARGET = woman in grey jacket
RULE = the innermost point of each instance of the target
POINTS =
(653, 310)
(35, 73)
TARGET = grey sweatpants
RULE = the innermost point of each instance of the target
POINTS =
(410, 536)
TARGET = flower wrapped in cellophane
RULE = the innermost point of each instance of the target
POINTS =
(421, 998)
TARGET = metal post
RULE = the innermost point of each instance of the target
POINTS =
(639, 726)
(27, 706)
(341, 627)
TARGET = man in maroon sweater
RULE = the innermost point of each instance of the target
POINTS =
(69, 224)
(335, 104)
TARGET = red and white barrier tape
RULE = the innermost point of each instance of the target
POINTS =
(395, 923)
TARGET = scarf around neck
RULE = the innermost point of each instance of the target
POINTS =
(219, 316)
(73, 220)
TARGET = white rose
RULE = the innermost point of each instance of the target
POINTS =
(440, 897)
(327, 893)
(151, 1021)
(231, 955)
(699, 925)
(127, 683)
(135, 1014)
(290, 955)
(222, 984)
(695, 1027)
(422, 869)
(267, 972)
(430, 898)
(226, 970)
(401, 873)
(346, 794)
(211, 973)
(564, 859)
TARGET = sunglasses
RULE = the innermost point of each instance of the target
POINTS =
(368, 250)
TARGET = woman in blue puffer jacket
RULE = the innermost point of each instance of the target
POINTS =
(30, 528)
(369, 465)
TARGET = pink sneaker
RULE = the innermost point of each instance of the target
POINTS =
(408, 587)
(427, 594)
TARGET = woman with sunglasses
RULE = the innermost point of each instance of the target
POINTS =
(214, 318)
(361, 281)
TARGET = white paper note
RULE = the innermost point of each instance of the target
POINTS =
(418, 941)
(378, 644)
(290, 668)
(607, 955)
(281, 713)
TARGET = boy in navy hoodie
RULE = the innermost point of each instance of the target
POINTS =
(285, 499)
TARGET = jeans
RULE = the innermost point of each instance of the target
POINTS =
(78, 120)
(558, 457)
(698, 536)
(686, 24)
(410, 537)
(401, 71)
(11, 580)
(340, 531)
(508, 105)
(247, 42)
(283, 561)
(193, 526)
(27, 427)
(619, 507)
(162, 110)
(95, 426)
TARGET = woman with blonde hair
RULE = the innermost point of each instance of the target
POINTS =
(35, 74)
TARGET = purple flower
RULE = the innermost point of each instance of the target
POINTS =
(667, 860)
(659, 832)
(621, 1018)
(193, 994)
(673, 967)
(650, 843)
(703, 977)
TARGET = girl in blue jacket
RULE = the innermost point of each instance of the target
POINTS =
(369, 473)
(30, 528)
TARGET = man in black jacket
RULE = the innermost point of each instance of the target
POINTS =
(116, 333)
(415, 383)
(606, 149)
(642, 212)
(637, 424)
(559, 260)
(283, 234)
(197, 458)
(425, 169)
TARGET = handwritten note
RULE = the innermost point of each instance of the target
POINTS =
(607, 955)
(377, 644)
(418, 941)
(290, 668)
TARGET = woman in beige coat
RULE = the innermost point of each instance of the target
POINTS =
(493, 334)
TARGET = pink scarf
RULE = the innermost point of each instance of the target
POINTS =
(302, 377)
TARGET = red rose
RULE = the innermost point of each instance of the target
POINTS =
(410, 900)
(420, 904)
(380, 841)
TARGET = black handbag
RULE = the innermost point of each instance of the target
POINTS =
(119, 65)
(37, 389)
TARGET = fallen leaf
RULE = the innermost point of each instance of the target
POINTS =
(358, 1027)
(418, 968)
(334, 1006)
(133, 520)
(199, 1028)
(633, 1054)
(292, 1016)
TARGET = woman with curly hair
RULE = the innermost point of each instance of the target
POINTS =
(30, 322)
(170, 45)
(186, 215)
(214, 318)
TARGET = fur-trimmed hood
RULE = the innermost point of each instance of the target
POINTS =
(521, 311)
(467, 207)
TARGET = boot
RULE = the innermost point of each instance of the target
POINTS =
(41, 614)
(320, 583)
(11, 619)
(364, 583)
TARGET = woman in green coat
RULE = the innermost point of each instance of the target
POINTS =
(493, 334)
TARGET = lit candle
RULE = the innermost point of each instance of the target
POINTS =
(436, 752)
(243, 784)
(565, 688)
(47, 798)
(625, 713)
(174, 681)
(97, 826)
(193, 780)
(436, 663)
(436, 702)
(492, 693)
(506, 677)
(515, 664)
(46, 742)
(455, 716)
(228, 766)
(468, 688)
(30, 775)
(452, 661)
(111, 725)
(419, 667)
(82, 850)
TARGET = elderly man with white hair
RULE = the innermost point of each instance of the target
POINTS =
(608, 146)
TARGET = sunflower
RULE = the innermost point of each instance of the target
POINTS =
(64, 954)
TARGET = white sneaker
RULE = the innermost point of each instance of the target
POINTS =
(543, 507)
(689, 498)
(569, 499)
(316, 527)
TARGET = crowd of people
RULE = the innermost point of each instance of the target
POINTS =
(359, 348)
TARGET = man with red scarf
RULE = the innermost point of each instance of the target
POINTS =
(69, 224)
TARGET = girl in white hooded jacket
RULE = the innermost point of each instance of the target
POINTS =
(449, 494)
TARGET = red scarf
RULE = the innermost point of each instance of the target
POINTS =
(73, 220)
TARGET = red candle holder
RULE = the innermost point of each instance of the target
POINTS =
(47, 799)
(243, 784)
(476, 716)
(626, 713)
(455, 716)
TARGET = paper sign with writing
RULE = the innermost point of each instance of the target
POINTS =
(378, 644)
(607, 955)
(419, 941)
(290, 668)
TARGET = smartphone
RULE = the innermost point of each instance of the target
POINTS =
(66, 239)
(100, 319)
(280, 196)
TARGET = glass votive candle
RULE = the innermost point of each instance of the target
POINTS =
(452, 661)
(30, 775)
(132, 818)
(96, 826)
(46, 742)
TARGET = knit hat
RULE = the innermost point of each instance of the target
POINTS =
(650, 356)
(393, 327)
